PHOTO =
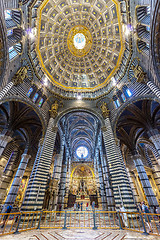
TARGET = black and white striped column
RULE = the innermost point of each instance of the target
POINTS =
(151, 198)
(5, 90)
(154, 88)
(57, 173)
(101, 181)
(62, 188)
(107, 183)
(154, 157)
(36, 188)
(7, 175)
(154, 136)
(119, 178)
(4, 140)
(67, 180)
(17, 181)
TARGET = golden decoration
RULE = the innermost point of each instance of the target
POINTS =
(136, 71)
(54, 109)
(70, 40)
(20, 75)
(104, 109)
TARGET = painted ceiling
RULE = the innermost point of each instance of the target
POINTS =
(79, 44)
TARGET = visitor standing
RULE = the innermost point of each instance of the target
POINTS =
(93, 205)
(78, 206)
(147, 217)
(81, 206)
(8, 210)
(86, 206)
(124, 216)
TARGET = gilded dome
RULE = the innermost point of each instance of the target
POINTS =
(80, 44)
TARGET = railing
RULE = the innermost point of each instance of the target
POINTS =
(147, 223)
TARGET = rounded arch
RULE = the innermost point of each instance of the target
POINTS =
(25, 101)
(82, 165)
(80, 109)
(129, 102)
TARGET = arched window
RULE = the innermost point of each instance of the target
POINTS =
(29, 92)
(35, 97)
(143, 29)
(127, 92)
(121, 96)
(13, 20)
(116, 101)
(15, 51)
(40, 102)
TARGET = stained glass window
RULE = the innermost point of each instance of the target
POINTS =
(82, 152)
(30, 91)
(35, 97)
(79, 41)
(40, 102)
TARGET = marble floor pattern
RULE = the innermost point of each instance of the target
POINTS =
(78, 234)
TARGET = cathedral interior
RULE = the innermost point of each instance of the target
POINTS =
(79, 104)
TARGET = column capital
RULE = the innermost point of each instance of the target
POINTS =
(54, 110)
(104, 129)
(26, 156)
(20, 75)
(104, 109)
(5, 138)
(41, 142)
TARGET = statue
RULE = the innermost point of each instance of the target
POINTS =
(20, 75)
(54, 109)
(139, 74)
(104, 109)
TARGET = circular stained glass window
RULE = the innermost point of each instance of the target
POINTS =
(79, 41)
(82, 152)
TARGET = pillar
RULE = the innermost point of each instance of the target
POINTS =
(101, 180)
(7, 176)
(154, 88)
(108, 187)
(5, 90)
(17, 181)
(57, 172)
(152, 201)
(62, 188)
(119, 178)
(67, 180)
(36, 188)
(4, 140)
(154, 136)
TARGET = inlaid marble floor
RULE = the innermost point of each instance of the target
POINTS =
(78, 234)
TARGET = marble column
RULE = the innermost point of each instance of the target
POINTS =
(119, 178)
(5, 90)
(154, 136)
(36, 188)
(17, 181)
(151, 198)
(57, 172)
(4, 140)
(62, 188)
(101, 181)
